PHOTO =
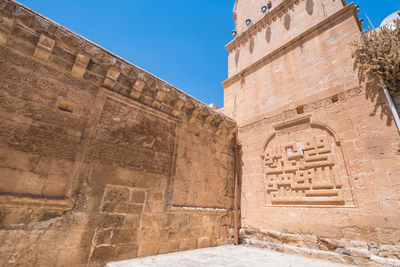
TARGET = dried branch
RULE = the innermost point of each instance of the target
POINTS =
(378, 54)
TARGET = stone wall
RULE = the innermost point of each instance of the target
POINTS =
(100, 160)
(320, 149)
(269, 31)
(295, 65)
(327, 179)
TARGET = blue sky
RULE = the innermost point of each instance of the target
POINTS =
(180, 41)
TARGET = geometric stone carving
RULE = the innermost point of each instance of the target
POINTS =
(145, 141)
(44, 47)
(303, 165)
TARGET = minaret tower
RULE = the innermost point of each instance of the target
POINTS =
(319, 148)
(286, 52)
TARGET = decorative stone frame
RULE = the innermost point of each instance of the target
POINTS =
(313, 174)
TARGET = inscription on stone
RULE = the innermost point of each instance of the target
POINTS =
(129, 137)
(302, 168)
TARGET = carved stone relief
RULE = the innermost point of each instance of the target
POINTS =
(128, 137)
(304, 165)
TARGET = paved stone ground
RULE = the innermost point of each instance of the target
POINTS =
(232, 256)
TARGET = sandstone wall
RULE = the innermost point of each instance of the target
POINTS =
(298, 64)
(284, 21)
(251, 9)
(320, 162)
(324, 183)
(99, 160)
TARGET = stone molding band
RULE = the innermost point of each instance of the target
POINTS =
(88, 61)
(349, 9)
(290, 114)
(271, 16)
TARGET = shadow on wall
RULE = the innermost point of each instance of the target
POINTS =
(251, 45)
(287, 21)
(374, 92)
(268, 35)
(237, 55)
(241, 194)
(310, 7)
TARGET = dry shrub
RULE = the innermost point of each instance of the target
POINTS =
(378, 54)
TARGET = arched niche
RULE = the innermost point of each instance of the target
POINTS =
(304, 165)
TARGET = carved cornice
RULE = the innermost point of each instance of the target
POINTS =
(294, 42)
(86, 60)
(282, 8)
(292, 114)
(267, 19)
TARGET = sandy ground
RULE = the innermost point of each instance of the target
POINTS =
(226, 256)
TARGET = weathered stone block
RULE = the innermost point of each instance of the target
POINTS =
(103, 237)
(169, 247)
(203, 242)
(54, 189)
(116, 194)
(65, 105)
(361, 253)
(111, 78)
(132, 221)
(137, 196)
(125, 252)
(44, 47)
(79, 161)
(148, 249)
(178, 107)
(103, 254)
(6, 24)
(108, 220)
(390, 251)
(187, 244)
(129, 208)
(139, 85)
(80, 64)
(124, 236)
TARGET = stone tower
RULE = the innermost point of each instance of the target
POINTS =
(287, 54)
(320, 154)
(100, 160)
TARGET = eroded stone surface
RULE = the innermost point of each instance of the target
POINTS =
(100, 160)
(320, 150)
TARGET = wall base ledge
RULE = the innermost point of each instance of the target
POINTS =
(370, 255)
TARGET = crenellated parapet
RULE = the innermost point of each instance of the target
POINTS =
(28, 32)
